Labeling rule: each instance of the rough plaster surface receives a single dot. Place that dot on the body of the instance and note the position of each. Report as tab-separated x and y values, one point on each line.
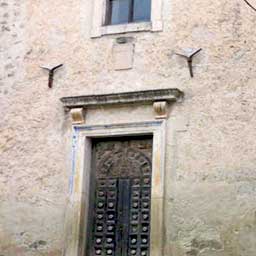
210	207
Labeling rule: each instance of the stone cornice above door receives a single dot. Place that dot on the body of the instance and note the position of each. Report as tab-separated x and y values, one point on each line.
159	98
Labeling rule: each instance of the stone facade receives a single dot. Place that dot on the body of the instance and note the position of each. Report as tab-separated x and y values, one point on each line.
210	177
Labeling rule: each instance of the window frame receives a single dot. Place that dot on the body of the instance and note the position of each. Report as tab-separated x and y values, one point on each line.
131	4
99	27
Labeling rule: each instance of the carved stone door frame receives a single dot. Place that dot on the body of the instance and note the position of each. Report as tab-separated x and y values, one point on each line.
76	217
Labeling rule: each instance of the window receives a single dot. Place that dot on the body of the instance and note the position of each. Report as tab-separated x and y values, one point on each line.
122	16
127	11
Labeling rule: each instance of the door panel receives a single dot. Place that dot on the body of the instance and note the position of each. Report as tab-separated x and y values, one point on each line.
120	209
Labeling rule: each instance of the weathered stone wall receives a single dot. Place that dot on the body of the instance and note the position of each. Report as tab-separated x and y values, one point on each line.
210	177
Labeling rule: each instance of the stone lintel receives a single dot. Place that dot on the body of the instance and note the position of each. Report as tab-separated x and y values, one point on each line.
144	97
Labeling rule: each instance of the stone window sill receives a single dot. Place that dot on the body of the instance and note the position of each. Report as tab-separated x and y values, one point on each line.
125	28
152	26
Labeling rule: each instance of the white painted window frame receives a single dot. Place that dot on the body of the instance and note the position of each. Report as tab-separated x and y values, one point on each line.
98	20
77	213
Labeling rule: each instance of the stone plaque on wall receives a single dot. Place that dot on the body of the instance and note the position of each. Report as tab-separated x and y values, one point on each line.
123	56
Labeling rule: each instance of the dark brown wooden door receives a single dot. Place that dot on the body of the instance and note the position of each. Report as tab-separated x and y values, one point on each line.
119	222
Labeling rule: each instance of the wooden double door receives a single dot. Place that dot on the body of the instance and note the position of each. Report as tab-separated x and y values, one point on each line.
119	222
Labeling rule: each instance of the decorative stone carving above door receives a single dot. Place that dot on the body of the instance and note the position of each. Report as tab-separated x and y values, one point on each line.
158	98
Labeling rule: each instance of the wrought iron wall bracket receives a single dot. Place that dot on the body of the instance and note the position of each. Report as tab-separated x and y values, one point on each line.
189	59
51	73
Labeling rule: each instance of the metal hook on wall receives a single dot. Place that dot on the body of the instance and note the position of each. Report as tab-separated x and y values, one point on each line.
189	59
51	73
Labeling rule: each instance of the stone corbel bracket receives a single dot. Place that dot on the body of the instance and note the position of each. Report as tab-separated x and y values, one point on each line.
159	98
160	108
78	115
